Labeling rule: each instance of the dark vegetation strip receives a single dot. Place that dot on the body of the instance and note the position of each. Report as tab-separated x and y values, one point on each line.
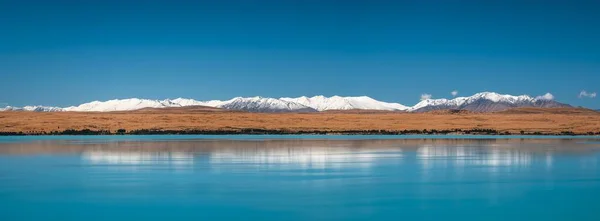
250	131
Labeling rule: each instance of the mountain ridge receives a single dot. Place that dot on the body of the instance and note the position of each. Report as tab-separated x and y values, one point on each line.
487	102
479	102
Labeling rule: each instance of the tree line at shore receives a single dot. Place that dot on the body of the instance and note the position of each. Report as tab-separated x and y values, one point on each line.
257	131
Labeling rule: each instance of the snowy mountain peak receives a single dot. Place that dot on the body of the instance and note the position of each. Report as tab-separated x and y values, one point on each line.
495	97
185	102
482	102
122	105
10	108
260	104
322	103
42	109
32	108
486	102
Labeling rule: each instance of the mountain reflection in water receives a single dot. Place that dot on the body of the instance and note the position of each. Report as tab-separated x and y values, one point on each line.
289	179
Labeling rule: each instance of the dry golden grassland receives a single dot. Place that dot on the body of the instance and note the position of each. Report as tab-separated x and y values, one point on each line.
551	120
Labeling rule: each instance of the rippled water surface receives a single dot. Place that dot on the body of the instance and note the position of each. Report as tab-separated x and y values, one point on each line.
299	178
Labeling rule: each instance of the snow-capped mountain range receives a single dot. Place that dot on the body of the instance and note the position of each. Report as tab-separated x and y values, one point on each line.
487	102
480	102
322	103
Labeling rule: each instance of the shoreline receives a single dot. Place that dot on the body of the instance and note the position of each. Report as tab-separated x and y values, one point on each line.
257	131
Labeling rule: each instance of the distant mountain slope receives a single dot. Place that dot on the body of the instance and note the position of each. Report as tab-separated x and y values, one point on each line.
261	104
486	102
558	110
122	105
251	104
186	109
322	103
32	108
480	102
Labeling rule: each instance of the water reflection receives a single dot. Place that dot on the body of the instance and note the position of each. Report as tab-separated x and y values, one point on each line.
312	154
137	158
304	157
311	179
478	155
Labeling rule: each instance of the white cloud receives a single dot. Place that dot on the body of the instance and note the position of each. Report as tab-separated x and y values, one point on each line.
454	93
547	96
425	96
584	93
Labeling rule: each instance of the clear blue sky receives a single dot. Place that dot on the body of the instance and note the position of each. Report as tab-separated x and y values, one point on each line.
68	52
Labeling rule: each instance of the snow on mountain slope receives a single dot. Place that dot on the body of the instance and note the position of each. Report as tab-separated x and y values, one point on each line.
185	102
122	105
480	102
322	103
42	109
486	102
216	103
261	104
136	104
253	104
11	108
32	108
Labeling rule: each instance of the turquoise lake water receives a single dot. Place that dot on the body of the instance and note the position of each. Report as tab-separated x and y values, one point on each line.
299	178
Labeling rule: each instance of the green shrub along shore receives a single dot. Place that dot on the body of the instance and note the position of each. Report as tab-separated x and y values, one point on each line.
256	131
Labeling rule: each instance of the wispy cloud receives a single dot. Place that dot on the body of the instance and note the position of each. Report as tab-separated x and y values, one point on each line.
584	93
454	93
547	96
425	96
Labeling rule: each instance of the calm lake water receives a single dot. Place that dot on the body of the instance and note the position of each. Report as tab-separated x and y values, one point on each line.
299	178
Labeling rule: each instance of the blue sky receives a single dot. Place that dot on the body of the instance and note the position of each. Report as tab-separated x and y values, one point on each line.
64	53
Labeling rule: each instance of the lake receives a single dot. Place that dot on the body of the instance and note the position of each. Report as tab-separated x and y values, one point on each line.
239	177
